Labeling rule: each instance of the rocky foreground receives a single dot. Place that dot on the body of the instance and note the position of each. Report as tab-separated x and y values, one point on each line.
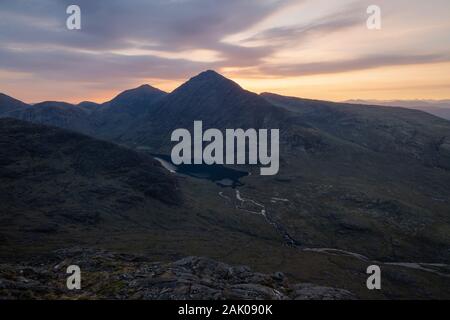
106	275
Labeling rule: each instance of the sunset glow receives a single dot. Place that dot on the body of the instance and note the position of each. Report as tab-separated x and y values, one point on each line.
312	49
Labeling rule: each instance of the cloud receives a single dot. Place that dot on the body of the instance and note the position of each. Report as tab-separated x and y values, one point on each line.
34	37
83	66
169	40
159	24
361	63
298	33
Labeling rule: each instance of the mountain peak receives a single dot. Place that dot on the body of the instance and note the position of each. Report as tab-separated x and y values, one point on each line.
209	80
134	101
146	87
217	101
210	75
142	94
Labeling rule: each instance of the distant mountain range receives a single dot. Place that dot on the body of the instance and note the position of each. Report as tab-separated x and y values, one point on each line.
369	182
440	108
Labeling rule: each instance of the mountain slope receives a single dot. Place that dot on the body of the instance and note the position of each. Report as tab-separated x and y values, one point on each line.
380	187
380	129
8	104
136	100
56	184
443	113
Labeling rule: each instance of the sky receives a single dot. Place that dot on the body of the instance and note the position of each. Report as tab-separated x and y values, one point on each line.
320	49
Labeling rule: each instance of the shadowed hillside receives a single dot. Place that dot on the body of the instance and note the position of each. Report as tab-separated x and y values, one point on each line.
55	183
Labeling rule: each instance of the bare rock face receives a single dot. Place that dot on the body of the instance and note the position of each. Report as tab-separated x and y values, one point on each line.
105	275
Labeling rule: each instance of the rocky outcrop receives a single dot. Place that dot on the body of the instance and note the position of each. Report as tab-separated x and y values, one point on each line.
105	275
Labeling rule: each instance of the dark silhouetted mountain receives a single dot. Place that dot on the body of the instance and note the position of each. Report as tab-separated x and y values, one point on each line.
136	100
210	97
88	105
58	114
54	104
116	116
8	104
109	119
217	101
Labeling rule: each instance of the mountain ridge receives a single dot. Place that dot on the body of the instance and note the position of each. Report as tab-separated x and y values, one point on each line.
439	108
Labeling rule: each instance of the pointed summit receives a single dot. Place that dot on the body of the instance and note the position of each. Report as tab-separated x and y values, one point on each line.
211	74
211	79
146	88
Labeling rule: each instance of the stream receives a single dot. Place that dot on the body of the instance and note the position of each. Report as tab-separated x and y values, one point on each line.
291	242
